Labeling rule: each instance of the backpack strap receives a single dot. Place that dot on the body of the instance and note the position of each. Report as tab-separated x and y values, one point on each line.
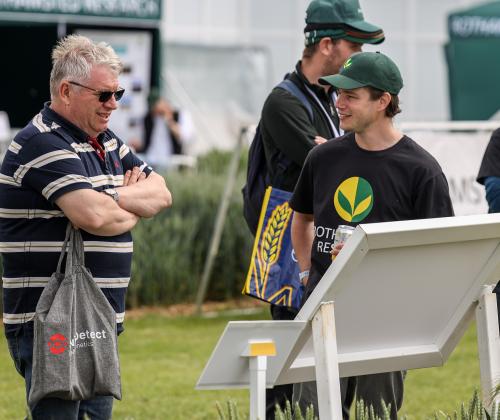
283	161
292	88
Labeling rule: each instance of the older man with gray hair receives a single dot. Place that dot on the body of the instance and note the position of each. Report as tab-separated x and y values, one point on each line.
67	165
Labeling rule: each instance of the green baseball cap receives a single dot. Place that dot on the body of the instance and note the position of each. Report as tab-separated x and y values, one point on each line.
344	19
367	69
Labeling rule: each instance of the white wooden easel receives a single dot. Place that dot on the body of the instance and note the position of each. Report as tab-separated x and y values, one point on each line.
488	344
327	370
443	265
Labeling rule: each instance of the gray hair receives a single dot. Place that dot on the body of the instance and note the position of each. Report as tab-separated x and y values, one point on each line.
74	56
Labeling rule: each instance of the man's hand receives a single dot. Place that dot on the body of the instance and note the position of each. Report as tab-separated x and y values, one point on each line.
133	176
336	249
144	195
320	140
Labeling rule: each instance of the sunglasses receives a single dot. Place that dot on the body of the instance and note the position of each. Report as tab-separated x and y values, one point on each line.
103	96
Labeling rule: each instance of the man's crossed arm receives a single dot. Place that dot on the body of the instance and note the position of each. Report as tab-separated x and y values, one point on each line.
99	214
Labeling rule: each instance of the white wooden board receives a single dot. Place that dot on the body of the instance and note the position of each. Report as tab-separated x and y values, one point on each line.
404	293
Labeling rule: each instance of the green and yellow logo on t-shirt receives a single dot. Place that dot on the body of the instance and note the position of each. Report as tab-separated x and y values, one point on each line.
353	199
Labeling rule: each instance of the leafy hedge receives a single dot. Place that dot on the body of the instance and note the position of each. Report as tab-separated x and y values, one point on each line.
170	249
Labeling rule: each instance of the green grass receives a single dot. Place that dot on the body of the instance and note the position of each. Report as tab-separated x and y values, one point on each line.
162	359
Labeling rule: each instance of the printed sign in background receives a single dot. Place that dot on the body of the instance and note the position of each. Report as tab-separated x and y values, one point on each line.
460	155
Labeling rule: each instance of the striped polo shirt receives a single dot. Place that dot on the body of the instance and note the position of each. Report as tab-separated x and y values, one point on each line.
47	159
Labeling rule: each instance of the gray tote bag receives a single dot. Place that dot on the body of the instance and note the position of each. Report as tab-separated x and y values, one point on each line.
75	355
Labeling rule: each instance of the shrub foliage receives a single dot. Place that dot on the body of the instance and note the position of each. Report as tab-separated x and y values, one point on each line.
170	249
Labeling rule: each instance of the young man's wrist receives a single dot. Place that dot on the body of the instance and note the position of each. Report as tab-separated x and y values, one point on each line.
303	276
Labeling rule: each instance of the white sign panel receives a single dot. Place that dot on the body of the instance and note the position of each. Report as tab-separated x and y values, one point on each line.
404	293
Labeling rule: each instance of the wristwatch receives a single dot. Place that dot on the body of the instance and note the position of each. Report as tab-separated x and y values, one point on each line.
112	193
303	275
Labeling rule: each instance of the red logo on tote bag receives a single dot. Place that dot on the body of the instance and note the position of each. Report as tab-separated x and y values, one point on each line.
58	344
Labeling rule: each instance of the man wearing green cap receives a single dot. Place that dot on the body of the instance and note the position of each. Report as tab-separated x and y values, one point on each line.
334	30
373	174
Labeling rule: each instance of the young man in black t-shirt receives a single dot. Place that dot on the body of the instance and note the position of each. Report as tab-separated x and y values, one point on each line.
373	174
335	29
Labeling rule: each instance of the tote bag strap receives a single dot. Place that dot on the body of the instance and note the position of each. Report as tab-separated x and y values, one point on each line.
72	248
69	228
76	249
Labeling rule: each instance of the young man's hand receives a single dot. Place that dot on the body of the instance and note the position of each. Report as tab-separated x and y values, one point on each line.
336	249
320	140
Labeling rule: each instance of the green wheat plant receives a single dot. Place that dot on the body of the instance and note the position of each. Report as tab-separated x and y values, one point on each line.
231	412
296	414
474	410
363	412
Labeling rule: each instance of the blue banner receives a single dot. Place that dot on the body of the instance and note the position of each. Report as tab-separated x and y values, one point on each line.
273	275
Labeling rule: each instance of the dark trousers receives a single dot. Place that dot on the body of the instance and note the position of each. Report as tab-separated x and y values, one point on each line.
280	393
372	389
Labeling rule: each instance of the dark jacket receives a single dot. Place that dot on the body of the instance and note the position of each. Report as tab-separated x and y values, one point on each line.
148	129
287	128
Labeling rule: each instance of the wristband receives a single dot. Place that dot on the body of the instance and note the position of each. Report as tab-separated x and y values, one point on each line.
303	275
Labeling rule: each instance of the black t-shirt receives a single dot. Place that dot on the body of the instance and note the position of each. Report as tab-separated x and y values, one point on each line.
490	166
342	184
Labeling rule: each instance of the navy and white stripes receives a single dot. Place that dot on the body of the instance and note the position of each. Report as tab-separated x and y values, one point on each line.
47	159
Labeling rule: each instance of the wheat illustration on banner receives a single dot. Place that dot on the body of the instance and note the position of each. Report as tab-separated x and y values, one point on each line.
273	274
270	246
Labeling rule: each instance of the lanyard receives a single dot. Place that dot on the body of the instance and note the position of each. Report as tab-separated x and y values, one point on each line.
336	131
334	101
